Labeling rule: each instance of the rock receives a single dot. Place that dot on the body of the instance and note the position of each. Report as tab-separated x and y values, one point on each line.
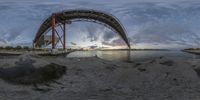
137	64
141	69
168	63
105	90
161	57
29	75
111	68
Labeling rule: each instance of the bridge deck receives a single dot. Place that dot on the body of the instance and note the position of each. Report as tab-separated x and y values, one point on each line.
80	15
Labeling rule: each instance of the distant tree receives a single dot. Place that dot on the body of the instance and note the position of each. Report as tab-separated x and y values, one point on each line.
26	48
8	47
18	47
1	47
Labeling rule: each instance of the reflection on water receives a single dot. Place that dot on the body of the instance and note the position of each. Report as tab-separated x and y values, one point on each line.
132	55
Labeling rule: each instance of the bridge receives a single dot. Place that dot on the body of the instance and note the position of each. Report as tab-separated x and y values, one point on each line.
60	19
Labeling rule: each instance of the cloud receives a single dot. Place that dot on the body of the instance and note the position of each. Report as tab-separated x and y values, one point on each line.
92	32
155	22
93	47
108	35
114	42
166	33
95	32
163	23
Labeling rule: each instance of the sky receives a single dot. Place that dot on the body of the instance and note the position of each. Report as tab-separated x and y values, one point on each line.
167	24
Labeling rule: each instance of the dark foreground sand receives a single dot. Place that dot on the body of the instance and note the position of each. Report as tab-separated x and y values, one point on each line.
97	79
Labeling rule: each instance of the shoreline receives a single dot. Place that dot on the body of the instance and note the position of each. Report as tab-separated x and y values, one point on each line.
60	53
197	52
40	53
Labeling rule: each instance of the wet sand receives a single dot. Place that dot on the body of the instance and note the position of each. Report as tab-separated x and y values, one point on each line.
97	79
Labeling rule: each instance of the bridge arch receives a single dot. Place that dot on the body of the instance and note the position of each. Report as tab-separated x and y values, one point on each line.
69	16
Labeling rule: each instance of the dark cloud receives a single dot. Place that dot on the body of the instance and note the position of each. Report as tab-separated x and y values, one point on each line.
92	32
97	32
108	35
93	47
2	41
116	42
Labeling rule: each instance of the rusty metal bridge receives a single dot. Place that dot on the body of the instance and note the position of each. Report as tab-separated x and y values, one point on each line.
60	19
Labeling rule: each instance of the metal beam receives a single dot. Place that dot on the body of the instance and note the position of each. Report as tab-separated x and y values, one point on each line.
60	39
53	23
64	35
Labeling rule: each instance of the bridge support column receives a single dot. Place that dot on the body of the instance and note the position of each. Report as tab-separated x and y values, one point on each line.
64	35
53	22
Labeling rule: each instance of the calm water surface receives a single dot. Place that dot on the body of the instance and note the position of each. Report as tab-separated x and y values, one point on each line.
133	55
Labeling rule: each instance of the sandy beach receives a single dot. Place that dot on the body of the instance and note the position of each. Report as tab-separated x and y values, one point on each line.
97	79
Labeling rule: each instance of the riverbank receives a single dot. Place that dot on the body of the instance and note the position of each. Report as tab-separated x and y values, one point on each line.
40	53
97	79
197	52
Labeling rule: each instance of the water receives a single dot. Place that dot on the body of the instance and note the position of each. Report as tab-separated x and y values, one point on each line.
133	55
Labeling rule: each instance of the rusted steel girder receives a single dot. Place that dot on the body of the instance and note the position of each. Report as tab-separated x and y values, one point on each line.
82	15
53	23
64	35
